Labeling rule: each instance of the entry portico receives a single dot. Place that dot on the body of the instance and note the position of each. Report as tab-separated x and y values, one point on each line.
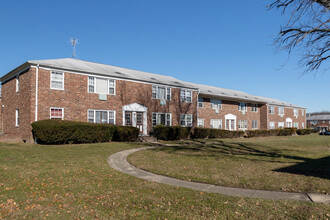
135	115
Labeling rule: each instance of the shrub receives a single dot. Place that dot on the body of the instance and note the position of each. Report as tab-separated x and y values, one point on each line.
71	132
262	133
201	133
304	131
123	133
287	131
162	132
220	133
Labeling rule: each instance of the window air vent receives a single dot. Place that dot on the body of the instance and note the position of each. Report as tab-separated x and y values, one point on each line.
152	78
223	93
209	90
120	73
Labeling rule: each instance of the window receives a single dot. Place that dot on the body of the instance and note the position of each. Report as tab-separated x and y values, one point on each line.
271	125
216	104
17	83
200	122
242	106
161	119
288	124
295	112
57	80
17	117
101	116
101	85
200	102
185	95
56	113
296	125
303	125
302	112
216	123
281	111
186	120
281	125
161	92
254	124
271	109
254	107
242	124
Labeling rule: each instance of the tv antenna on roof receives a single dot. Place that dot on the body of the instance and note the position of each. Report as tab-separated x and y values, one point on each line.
74	42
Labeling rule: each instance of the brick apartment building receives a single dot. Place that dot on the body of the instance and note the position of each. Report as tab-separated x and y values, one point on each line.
78	90
320	122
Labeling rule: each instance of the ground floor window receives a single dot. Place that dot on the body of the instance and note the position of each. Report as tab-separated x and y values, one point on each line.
161	119
302	125
254	124
56	113
281	125
216	123
242	124
296	125
101	116
271	125
186	120
200	122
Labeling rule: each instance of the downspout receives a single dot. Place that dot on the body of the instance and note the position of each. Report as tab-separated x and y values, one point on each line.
197	107
36	104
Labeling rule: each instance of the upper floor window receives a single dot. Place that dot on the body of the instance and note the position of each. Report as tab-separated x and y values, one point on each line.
216	104
17	83
56	80
56	113
216	123
101	85
17	117
242	106
200	102
242	124
271	109
101	116
295	112
281	110
161	119
302	112
161	92
254	107
185	95
186	120
302	125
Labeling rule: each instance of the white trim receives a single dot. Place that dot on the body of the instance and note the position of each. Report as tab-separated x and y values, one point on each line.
102	110
254	105
51	80
203	122
36	104
50	112
17	83
230	117
17	117
135	107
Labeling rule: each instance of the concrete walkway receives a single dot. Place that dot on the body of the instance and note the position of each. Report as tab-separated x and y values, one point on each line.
118	162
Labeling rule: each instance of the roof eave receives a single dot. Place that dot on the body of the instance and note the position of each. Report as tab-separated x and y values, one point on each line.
15	71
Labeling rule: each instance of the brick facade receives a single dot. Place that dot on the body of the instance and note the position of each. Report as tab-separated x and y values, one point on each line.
288	114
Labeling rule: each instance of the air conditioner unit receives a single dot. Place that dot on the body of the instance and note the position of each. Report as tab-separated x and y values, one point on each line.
217	111
243	112
162	102
103	97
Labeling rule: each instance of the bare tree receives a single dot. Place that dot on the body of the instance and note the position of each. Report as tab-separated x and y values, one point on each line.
307	29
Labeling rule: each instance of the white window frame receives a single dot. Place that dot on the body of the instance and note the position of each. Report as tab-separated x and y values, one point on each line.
212	123
17	117
302	125
271	109
200	102
185	120
302	112
254	122
200	122
295	112
94	115
62	81
254	107
17	83
281	125
108	84
242	106
272	125
244	125
155	121
89	84
216	104
184	96
50	112
296	125
155	92
280	112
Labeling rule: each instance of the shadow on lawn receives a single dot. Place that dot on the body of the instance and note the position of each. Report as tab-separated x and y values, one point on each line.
302	165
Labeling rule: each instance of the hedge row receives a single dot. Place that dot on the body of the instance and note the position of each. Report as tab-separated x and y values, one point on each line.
215	133
73	132
272	132
305	131
171	132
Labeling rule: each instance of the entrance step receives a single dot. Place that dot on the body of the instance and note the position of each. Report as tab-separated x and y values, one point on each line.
147	139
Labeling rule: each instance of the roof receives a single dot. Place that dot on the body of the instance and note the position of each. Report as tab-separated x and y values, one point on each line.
119	72
318	118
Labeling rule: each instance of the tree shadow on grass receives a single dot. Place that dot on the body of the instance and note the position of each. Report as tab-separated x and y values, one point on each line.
302	165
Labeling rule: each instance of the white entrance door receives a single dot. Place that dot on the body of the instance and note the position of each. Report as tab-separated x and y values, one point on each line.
230	122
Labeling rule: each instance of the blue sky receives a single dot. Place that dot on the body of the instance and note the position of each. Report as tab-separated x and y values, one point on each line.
220	43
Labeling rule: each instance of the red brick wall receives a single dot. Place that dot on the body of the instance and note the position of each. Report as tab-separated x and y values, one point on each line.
320	123
21	100
228	107
288	113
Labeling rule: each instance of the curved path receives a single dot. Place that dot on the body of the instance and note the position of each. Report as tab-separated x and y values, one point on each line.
118	162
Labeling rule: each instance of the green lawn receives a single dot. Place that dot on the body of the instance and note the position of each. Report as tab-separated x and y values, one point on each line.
75	182
297	164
